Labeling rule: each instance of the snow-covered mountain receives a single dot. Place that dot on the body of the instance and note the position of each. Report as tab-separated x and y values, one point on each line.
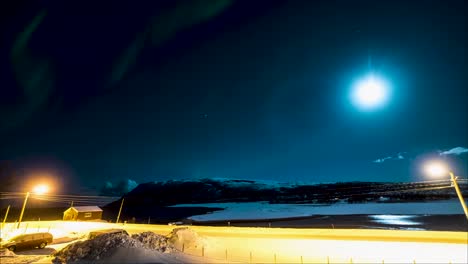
237	190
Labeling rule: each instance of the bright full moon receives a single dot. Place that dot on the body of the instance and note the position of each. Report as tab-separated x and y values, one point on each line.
370	93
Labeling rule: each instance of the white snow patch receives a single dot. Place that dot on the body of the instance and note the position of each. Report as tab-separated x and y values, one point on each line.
395	219
264	210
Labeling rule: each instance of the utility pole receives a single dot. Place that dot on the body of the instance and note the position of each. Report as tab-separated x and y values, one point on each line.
460	197
22	209
120	210
6	215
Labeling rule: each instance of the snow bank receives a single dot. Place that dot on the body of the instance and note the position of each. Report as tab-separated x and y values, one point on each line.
186	238
4	252
108	245
146	247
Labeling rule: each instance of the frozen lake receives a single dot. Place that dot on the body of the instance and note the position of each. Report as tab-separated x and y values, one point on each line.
264	210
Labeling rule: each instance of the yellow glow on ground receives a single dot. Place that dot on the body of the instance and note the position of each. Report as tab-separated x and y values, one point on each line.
336	245
289	245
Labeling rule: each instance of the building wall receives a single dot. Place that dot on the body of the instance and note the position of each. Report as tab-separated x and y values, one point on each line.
72	215
84	216
69	215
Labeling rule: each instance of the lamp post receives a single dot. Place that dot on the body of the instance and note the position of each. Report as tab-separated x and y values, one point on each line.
39	189
120	210
22	209
460	197
5	217
440	169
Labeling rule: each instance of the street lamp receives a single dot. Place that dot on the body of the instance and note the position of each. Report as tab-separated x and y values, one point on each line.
38	189
437	168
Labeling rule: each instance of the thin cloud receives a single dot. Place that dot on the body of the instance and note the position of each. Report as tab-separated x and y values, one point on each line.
403	155
381	160
454	151
398	156
121	188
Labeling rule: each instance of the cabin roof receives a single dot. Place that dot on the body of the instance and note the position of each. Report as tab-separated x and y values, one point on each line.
86	208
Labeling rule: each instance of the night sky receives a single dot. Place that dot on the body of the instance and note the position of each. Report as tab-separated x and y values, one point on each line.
158	90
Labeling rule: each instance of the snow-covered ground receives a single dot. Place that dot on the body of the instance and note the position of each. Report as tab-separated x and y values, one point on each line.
264	210
68	232
266	245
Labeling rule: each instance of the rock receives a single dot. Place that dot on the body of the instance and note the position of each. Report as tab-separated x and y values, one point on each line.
79	253
154	241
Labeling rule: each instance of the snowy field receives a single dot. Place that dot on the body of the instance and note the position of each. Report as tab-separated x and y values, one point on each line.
210	244
264	210
263	245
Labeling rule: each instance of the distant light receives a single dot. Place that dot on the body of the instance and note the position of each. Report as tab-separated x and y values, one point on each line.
41	189
370	92
436	168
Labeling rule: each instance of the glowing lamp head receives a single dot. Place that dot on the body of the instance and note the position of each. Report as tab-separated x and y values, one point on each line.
436	169
41	189
370	92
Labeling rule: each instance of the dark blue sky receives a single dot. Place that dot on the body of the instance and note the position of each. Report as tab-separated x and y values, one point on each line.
169	90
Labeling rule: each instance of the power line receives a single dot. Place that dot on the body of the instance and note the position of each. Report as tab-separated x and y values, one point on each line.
74	201
371	189
62	195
